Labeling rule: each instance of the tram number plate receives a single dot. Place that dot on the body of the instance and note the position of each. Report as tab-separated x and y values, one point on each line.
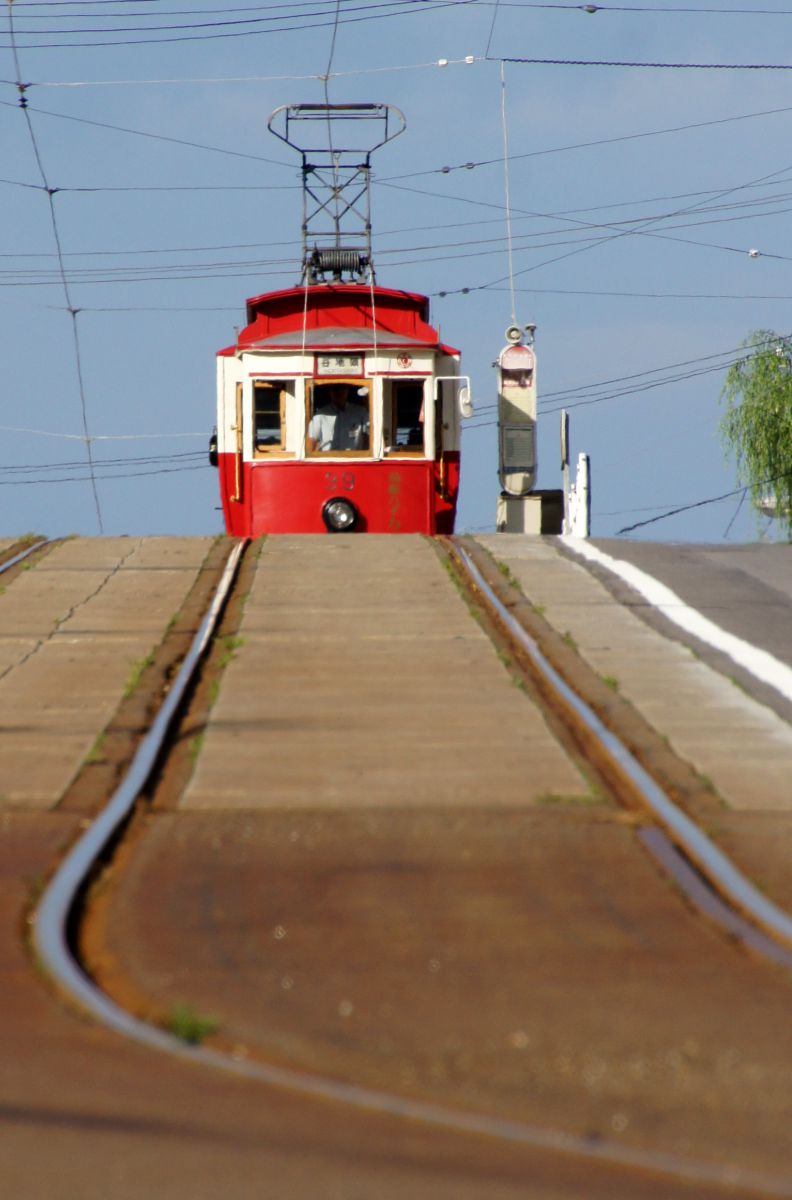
343	481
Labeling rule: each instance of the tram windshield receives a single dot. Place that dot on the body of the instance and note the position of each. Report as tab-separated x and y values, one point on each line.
339	418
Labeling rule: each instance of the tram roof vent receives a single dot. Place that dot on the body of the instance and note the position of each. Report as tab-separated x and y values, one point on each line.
336	142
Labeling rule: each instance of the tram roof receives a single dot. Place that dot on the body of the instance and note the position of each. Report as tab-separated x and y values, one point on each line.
340	338
332	316
338	293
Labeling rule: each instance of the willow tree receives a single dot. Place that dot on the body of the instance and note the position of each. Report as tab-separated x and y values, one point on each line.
757	423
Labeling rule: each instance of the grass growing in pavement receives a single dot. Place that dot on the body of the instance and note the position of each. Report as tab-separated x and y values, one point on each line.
231	644
187	1025
508	574
136	673
96	753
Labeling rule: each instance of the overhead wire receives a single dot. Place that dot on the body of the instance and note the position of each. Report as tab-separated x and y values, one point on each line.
595	242
73	311
104	478
637	383
445	169
425	6
659	66
351	72
658	9
157	15
502	61
144	133
495	8
100	437
507	214
683	508
399	231
145	460
626	137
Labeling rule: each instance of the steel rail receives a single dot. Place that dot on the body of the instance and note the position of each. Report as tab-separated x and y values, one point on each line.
51	943
23	554
712	863
51	921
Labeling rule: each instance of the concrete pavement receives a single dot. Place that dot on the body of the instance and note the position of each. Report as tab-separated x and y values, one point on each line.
741	747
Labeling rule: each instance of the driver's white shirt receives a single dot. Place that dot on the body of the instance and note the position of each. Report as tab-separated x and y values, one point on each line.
340	429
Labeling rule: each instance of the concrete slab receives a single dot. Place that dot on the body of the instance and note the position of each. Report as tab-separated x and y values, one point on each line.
75	630
528	963
743	748
364	681
87	1115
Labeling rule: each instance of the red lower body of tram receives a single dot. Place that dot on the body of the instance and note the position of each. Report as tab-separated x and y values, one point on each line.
398	496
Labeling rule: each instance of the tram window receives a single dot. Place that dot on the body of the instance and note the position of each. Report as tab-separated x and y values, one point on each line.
269	413
404	413
338	418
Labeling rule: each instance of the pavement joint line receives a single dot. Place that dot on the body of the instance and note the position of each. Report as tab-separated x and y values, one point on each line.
759	663
43	641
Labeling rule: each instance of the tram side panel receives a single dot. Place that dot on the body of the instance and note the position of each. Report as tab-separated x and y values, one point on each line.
230	457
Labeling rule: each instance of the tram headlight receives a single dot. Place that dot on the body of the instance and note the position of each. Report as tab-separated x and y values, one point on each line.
339	515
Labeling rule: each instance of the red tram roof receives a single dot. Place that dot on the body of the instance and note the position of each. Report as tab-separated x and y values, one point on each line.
336	316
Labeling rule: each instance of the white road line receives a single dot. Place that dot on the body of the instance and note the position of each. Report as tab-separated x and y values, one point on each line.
763	666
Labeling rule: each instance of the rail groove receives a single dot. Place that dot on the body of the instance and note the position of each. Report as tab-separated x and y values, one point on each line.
15	559
50	933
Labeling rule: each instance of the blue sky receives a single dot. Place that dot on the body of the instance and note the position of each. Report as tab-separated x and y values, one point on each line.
631	245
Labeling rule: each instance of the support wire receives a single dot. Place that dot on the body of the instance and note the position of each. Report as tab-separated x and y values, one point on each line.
73	312
507	203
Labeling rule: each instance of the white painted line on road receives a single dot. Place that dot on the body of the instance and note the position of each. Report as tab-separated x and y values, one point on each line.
763	666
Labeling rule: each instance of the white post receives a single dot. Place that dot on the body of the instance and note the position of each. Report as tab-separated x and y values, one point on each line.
578	523
565	466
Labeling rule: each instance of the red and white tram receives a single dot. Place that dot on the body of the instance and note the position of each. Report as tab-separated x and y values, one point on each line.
338	407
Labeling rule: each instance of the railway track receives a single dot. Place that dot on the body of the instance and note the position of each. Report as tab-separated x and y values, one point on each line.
679	845
17	553
705	874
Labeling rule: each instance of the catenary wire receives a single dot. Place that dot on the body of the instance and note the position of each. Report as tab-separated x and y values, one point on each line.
73	311
266	20
104	478
600	241
202	37
144	133
400	231
696	504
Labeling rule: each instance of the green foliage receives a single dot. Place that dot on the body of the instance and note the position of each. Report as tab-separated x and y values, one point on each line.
183	1022
135	673
96	753
231	643
757	423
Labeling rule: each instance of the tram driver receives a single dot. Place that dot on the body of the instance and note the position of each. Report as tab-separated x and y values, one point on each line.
340	424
